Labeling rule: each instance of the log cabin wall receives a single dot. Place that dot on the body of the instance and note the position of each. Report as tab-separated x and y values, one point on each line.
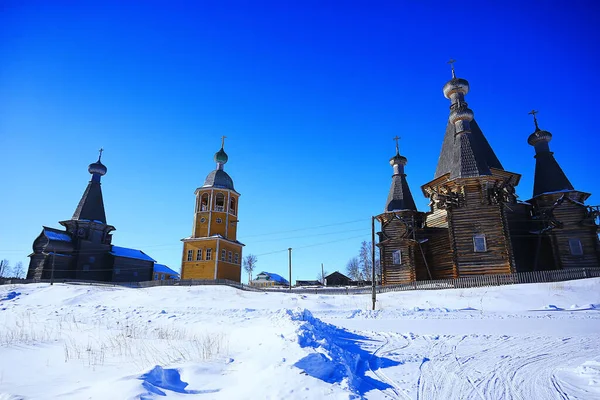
439	254
523	242
474	215
574	224
397	235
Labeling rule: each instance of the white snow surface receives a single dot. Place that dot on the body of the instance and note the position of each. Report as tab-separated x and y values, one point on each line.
536	341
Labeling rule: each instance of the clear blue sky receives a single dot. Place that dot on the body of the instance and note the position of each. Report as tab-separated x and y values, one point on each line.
309	95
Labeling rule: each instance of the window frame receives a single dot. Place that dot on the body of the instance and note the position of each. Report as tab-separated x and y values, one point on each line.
208	255
223	254
477	237
397	253
199	255
579	245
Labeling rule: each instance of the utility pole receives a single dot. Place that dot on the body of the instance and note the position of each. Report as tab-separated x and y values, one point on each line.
373	259
290	264
322	274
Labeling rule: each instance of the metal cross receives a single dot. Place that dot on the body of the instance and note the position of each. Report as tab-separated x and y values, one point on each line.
100	156
397	148
533	112
223	141
451	62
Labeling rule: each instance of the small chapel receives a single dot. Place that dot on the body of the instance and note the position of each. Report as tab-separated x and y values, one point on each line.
475	224
83	249
213	251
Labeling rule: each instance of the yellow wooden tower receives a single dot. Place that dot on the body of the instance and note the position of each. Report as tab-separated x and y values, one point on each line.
213	251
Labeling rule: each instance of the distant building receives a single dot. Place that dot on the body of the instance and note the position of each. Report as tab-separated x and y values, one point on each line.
308	283
476	225
337	279
162	273
84	249
269	279
213	251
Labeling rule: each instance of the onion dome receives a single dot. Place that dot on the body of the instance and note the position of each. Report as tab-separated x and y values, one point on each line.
539	136
461	113
221	157
398	160
455	85
97	168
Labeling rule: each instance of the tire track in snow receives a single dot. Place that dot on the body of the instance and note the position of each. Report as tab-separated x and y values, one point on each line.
390	345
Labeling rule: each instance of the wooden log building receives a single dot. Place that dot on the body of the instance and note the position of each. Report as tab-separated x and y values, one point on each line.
476	225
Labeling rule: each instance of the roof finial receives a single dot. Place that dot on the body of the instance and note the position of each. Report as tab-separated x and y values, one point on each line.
223	141
533	112
397	138
451	62
100	156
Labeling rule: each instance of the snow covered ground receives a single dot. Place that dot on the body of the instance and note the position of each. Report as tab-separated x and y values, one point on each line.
538	341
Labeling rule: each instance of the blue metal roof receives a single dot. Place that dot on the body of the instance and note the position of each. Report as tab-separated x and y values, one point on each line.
53	235
274	277
130	253
163	269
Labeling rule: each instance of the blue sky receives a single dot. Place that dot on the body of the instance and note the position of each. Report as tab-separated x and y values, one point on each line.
309	95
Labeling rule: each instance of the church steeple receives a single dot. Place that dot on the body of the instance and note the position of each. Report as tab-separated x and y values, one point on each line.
91	205
465	151
400	197
549	176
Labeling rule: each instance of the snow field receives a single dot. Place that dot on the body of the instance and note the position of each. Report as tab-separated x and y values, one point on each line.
516	342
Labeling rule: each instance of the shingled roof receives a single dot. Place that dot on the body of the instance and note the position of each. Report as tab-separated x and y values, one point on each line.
466	155
91	205
400	197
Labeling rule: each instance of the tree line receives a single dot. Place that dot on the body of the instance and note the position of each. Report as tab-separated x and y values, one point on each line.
12	271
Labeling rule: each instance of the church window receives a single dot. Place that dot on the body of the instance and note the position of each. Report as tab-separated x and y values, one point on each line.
203	220
219	220
155	277
237	258
162	277
199	255
135	273
232	206
229	256
220	202
397	257
86	267
190	255
575	247
223	255
117	271
208	254
479	243
204	202
91	259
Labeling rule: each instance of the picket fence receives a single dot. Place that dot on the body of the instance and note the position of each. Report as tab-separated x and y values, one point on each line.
458	283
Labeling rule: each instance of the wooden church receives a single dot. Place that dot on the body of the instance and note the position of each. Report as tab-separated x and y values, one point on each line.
83	249
475	224
213	251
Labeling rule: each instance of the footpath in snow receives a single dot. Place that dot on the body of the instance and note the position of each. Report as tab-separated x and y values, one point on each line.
536	341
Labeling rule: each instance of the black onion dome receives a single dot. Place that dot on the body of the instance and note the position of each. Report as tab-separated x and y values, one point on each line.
539	136
97	168
221	157
218	179
398	160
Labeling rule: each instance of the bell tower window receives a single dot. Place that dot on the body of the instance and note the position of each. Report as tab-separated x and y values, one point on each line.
190	255
232	206
220	202
208	254
204	202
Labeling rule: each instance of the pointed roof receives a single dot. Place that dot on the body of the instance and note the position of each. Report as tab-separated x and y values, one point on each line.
400	197
549	176
467	155
91	205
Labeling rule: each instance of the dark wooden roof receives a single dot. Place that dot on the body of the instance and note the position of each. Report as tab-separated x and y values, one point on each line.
91	205
467	155
549	176
400	197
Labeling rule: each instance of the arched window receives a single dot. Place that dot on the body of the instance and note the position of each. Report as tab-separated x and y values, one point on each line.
220	202
232	206
204	202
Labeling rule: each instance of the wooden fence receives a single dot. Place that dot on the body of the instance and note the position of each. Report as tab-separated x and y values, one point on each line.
459	283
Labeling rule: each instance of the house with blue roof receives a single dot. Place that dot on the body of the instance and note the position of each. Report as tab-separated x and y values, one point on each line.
84	249
162	273
269	279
